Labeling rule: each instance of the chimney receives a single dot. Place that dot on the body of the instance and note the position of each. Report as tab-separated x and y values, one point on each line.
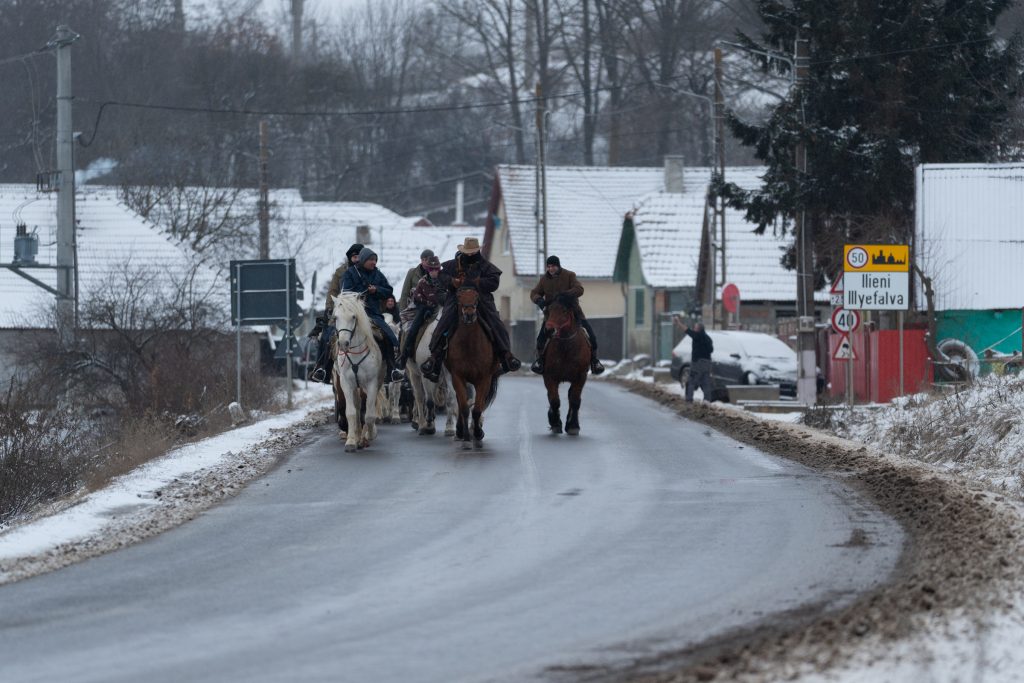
460	200
674	173
363	234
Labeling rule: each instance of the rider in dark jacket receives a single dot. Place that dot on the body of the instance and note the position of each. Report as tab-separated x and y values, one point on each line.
557	280
429	293
469	269
366	278
323	328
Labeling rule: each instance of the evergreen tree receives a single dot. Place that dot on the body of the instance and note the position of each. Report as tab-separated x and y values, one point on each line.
891	84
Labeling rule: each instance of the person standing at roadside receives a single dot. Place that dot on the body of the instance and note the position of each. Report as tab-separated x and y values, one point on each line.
700	359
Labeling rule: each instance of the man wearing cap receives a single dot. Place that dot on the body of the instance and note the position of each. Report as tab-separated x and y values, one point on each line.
429	293
469	268
557	280
364	278
323	328
415	274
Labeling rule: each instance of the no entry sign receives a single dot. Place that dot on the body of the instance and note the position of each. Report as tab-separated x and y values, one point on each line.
731	297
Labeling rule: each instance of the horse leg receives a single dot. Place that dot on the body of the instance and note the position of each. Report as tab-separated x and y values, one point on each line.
572	420
461	428
370	415
554	405
449	403
478	412
352	406
428	419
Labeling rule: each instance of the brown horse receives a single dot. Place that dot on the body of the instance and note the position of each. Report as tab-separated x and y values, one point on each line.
471	360
566	359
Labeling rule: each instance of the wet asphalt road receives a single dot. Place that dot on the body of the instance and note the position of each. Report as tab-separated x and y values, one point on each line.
417	562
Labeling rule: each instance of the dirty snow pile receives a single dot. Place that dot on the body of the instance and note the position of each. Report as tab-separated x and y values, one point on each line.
976	432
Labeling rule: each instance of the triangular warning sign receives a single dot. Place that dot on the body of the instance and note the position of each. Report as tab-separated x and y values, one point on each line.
837	284
844	350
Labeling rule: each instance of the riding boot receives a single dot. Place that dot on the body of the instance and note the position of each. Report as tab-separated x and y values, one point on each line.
431	367
596	368
510	363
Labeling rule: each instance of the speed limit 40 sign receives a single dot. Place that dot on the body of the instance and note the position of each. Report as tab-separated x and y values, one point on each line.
845	321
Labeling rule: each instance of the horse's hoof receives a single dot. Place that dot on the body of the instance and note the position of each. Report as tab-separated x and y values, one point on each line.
466	445
477	443
573	431
428	431
449	432
556	429
386	419
350	448
343	435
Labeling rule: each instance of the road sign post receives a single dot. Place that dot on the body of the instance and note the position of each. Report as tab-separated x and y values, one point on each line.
876	277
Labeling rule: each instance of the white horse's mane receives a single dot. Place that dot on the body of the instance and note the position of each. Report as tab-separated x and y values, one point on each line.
350	303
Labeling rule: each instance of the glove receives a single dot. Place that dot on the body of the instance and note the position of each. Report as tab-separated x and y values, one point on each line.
318	328
540	303
456	282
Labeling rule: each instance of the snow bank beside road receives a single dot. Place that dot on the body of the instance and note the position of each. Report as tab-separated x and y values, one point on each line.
159	495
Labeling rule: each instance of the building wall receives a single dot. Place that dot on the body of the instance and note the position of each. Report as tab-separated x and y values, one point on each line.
982	329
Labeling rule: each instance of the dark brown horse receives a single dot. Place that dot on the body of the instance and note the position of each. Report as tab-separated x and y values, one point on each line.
566	359
471	360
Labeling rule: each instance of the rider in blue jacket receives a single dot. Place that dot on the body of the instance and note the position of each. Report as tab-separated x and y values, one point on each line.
365	277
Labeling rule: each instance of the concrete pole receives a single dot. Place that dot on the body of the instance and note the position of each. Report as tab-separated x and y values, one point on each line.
264	195
720	154
66	186
806	388
460	202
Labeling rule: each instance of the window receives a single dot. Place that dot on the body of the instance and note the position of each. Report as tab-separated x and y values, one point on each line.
638	309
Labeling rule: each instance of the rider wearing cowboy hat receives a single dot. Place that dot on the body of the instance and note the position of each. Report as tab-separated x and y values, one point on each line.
469	268
557	280
324	362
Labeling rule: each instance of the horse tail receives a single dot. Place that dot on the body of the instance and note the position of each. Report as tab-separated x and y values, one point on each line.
493	392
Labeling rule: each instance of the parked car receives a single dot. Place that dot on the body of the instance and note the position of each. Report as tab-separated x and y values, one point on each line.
741	358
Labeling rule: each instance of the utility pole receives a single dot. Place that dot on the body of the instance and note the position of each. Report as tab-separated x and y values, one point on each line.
297	9
720	152
541	113
66	302
264	195
806	387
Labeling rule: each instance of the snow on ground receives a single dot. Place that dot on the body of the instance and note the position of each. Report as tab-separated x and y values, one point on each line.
976	434
187	479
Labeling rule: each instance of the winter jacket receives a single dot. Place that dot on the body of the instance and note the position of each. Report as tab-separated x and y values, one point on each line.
551	286
702	345
475	271
415	274
358	279
430	292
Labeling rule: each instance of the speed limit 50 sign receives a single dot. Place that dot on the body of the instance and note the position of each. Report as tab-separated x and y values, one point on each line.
845	321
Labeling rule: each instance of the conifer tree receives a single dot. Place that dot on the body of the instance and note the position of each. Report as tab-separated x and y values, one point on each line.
892	83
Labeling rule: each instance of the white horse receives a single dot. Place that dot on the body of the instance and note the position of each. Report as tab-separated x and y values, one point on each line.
424	391
358	369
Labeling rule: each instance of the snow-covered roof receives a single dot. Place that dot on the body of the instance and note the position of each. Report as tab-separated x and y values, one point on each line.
110	238
968	234
317	234
585	209
668	228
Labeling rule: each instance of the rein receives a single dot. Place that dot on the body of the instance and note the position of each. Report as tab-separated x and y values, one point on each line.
348	354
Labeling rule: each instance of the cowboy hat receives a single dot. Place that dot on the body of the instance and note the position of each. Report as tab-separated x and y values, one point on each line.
470	246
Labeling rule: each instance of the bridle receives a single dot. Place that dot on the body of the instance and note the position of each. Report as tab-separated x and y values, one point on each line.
559	329
355	357
468	310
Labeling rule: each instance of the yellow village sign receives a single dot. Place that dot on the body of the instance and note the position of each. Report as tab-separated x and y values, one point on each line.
876	258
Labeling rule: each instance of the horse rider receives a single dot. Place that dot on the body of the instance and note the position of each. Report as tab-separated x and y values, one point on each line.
412	278
323	328
557	280
365	278
429	293
469	268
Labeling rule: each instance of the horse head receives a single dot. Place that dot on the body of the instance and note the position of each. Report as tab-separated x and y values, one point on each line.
468	299
562	316
350	320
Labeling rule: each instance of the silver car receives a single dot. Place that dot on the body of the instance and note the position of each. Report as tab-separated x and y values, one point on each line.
741	358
